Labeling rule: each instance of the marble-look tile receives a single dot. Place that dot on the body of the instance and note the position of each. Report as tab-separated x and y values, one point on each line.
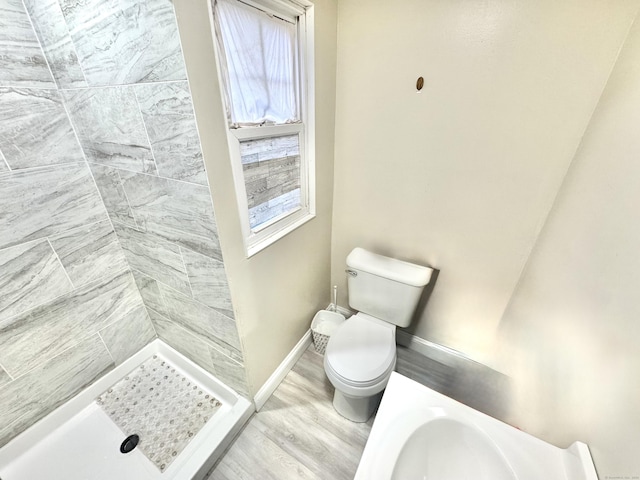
56	43
154	257
110	127
150	292
22	62
45	201
32	396
4	377
208	281
30	275
90	253
201	320
3	164
182	340
128	335
179	212
231	373
171	125
29	339
35	130
112	193
127	41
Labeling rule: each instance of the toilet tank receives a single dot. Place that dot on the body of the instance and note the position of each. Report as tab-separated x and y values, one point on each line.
384	287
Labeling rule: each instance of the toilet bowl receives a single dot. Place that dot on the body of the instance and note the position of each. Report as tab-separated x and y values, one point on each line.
359	359
361	353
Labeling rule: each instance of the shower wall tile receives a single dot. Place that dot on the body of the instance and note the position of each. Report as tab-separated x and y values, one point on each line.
208	281
171	126
56	43
90	253
29	398
46	201
150	292
127	41
22	62
229	371
180	214
3	164
35	130
201	320
112	193
46	331
110	127
182	340
154	256
4	377
128	335
30	275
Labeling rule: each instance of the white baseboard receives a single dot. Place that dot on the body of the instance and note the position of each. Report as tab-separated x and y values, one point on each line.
276	377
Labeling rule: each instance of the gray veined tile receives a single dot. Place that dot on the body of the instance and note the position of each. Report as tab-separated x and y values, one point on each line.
231	372
201	320
90	253
30	275
110	127
168	115
128	335
154	257
45	201
29	339
35	130
3	164
112	193
150	292
182	340
56	43
127	41
22	62
179	212
4	377
32	396
208	281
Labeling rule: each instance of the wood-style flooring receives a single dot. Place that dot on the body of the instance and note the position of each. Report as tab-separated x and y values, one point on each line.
298	434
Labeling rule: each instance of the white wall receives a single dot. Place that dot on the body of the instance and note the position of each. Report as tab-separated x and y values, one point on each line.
462	176
571	334
276	292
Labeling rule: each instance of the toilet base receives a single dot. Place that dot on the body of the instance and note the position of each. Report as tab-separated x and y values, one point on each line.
356	409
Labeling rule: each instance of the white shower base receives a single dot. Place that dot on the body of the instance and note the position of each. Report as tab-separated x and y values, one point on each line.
79	441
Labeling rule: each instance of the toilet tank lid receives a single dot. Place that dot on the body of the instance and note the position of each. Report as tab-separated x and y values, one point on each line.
391	268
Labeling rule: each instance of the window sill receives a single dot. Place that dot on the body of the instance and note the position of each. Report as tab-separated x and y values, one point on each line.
263	243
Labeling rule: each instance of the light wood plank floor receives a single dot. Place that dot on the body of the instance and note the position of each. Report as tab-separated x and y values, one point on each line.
298	434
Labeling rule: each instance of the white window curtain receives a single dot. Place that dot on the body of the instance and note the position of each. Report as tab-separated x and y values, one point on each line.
259	65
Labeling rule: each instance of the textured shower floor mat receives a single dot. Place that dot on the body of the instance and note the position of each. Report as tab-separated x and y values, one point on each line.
160	405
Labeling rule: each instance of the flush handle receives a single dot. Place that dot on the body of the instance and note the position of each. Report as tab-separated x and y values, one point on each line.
353	273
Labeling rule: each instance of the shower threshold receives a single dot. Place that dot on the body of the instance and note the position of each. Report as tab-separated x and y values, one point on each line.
82	440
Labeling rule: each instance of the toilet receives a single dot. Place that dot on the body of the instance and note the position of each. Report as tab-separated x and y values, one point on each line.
361	353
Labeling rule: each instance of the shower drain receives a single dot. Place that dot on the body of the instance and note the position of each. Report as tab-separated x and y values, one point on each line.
129	443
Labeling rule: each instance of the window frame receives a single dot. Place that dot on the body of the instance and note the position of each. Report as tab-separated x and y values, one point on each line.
257	239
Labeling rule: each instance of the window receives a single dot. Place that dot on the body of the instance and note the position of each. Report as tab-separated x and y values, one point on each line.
265	59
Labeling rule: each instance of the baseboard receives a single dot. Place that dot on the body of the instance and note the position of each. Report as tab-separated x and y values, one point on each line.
276	377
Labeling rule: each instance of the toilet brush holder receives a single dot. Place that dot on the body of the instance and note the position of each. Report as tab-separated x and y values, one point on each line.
323	325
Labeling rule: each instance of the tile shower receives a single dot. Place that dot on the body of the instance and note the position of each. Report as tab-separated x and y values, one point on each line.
107	231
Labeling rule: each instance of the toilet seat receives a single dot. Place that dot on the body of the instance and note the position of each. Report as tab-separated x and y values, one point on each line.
361	354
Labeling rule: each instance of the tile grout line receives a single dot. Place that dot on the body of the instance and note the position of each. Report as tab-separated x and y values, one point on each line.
186	272
126	197
106	348
73	45
4	160
42	167
9	374
73	287
35	34
144	126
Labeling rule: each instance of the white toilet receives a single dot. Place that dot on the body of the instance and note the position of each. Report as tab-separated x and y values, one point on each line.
361	353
